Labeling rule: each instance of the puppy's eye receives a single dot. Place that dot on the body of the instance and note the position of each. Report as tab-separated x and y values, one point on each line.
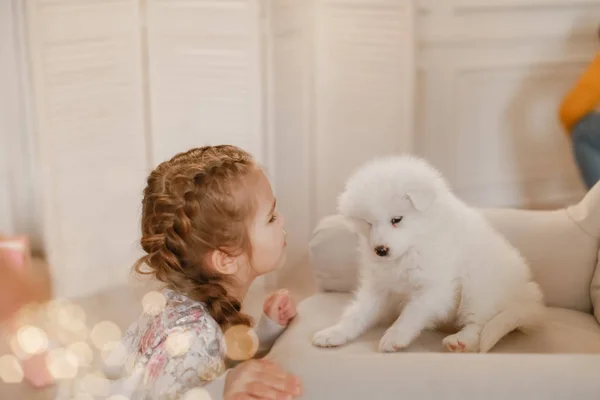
396	220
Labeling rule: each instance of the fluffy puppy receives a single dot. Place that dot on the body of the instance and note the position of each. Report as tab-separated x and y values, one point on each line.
429	260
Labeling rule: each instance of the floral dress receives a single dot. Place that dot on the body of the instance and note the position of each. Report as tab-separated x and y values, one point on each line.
162	357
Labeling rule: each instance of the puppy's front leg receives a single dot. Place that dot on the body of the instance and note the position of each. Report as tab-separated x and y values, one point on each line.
364	312
421	310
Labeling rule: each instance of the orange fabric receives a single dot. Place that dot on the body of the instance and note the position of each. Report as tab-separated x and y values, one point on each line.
583	97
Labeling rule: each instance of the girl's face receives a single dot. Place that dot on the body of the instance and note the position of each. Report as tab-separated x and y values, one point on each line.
267	236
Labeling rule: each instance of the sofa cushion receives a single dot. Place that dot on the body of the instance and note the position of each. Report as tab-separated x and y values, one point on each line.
586	215
333	255
564	331
561	255
595	290
357	371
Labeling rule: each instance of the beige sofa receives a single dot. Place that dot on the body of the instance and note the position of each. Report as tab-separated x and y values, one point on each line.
561	360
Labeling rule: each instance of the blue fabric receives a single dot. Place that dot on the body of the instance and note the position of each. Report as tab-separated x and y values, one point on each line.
586	147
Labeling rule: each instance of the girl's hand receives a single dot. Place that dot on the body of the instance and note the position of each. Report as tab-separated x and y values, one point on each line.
280	307
260	379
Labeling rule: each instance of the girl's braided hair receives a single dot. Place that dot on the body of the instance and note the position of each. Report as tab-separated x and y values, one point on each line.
193	204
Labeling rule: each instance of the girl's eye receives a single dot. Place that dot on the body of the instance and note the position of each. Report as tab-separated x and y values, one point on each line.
396	220
273	218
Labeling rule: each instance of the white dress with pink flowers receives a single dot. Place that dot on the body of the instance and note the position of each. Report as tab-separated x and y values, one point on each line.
182	348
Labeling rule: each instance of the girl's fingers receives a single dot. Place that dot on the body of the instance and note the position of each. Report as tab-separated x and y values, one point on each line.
268	367
290	310
284	316
268	304
286	384
243	396
263	379
284	303
276	377
261	390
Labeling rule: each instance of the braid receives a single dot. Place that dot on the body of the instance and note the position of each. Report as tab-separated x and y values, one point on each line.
190	209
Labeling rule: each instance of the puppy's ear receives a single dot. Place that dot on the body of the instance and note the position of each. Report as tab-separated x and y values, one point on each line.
420	197
357	225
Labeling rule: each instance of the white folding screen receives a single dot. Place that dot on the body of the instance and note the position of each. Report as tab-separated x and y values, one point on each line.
364	88
289	70
120	86
311	87
19	212
7	120
86	64
205	75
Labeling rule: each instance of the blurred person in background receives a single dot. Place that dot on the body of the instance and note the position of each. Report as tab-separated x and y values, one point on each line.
580	116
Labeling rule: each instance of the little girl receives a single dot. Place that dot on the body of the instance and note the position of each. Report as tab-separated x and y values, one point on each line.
209	228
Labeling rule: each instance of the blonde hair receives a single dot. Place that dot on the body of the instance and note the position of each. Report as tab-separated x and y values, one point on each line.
196	203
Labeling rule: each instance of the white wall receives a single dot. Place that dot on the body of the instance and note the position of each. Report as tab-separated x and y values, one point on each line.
312	87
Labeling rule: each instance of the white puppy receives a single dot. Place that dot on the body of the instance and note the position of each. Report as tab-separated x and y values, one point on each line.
432	260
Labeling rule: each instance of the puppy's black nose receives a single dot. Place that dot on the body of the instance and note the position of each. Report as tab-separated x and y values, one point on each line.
382	251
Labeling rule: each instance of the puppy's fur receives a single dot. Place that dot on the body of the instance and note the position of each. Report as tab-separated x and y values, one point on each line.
429	260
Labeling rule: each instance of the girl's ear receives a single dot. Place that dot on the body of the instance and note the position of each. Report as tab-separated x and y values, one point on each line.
223	263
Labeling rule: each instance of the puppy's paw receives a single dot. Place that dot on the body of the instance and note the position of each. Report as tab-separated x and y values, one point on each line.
333	336
462	342
393	340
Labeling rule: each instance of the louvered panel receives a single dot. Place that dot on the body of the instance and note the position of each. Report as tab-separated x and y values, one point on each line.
365	75
8	117
290	111
6	218
205	75
87	82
